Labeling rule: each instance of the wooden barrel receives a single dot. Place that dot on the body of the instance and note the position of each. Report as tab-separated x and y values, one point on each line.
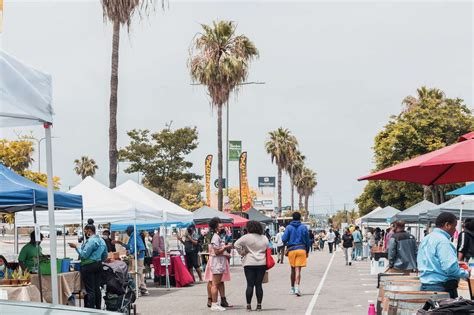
398	287
409	302
386	280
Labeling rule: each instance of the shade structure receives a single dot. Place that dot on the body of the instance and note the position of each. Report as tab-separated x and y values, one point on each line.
359	220
451	164
238	220
256	215
380	216
18	193
165	211
454	206
466	190
100	203
25	94
412	214
204	214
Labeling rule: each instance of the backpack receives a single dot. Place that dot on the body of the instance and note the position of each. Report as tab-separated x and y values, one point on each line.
447	306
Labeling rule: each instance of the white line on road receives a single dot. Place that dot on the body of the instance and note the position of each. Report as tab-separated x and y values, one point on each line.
311	305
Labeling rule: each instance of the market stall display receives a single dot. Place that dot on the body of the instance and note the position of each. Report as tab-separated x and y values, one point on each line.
26	293
177	269
68	284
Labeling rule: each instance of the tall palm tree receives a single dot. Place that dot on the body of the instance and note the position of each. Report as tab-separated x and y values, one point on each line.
306	184
294	169
423	94
119	13
85	167
279	146
219	59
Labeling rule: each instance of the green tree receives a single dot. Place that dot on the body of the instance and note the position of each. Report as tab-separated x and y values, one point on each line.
191	202
220	60
280	145
234	198
430	122
161	157
119	13
184	189
85	167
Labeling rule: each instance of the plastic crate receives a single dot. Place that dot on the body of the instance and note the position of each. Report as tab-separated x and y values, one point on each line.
45	266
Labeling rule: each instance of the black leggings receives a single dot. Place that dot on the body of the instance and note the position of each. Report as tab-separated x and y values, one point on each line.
254	275
90	275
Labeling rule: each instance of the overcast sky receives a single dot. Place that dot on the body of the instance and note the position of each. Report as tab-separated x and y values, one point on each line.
334	74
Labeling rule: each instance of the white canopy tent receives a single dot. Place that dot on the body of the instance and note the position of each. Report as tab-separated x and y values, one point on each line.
99	203
169	212
26	99
360	220
382	216
462	206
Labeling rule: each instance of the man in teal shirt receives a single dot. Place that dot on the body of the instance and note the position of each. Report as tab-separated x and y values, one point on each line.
437	260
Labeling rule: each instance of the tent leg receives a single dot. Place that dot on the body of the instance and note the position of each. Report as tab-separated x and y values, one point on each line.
52	225
38	236
136	256
167	260
15	238
64	240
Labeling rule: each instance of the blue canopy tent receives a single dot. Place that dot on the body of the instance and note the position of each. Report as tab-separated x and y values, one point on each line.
20	194
466	190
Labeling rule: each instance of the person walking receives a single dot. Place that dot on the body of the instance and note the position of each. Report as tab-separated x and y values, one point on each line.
217	268
296	239
402	250
252	247
437	260
191	248
357	235
370	238
388	236
322	239
331	238
141	251
280	245
465	246
347	245
91	253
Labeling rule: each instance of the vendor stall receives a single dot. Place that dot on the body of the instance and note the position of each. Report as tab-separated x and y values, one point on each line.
177	269
380	216
25	293
255	215
203	216
69	283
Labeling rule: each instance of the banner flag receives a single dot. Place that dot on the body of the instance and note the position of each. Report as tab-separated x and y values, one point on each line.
245	198
208	165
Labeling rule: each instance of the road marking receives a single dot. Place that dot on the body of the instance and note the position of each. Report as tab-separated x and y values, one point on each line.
371	291
365	274
311	305
368	284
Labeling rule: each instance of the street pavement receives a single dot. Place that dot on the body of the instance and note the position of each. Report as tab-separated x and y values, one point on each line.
345	290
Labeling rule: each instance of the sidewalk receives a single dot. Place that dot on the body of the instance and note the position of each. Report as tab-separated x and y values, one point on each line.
346	290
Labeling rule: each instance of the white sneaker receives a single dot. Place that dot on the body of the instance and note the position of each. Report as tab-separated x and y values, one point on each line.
297	292
217	308
292	290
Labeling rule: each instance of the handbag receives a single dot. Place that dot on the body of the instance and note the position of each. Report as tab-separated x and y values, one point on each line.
265	277
270	260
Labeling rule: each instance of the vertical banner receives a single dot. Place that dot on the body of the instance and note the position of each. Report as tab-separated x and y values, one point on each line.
245	198
208	165
235	149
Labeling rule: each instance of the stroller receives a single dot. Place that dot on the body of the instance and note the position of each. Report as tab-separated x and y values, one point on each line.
119	288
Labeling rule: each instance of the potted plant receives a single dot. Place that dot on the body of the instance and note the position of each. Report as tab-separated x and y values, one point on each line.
25	278
6	279
15	277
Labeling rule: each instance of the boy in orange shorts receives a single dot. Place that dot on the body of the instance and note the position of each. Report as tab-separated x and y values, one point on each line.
296	238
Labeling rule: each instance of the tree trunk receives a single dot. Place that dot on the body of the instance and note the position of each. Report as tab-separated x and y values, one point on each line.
300	201
113	153
426	192
279	190
292	193
306	207
220	196
435	194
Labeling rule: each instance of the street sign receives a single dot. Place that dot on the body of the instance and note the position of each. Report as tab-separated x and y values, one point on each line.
216	183
235	149
267	181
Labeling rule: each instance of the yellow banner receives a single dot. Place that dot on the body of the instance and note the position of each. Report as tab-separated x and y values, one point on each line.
245	198
1	15
208	165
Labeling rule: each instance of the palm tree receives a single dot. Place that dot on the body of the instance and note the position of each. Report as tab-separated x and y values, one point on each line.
279	146
423	94
306	184
219	59
85	167
119	13
294	169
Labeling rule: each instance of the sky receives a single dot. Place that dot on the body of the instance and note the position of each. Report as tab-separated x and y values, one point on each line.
334	73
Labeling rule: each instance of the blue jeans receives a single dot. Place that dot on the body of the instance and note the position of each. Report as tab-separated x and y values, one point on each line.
357	250
439	287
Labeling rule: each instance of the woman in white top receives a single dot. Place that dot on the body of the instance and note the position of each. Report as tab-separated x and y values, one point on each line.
253	247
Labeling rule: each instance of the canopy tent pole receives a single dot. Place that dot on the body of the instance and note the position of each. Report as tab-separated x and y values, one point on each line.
167	260
64	240
136	255
52	226
15	238
38	237
459	227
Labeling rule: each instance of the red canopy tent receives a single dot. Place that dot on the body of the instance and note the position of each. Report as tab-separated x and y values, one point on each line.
451	164
238	221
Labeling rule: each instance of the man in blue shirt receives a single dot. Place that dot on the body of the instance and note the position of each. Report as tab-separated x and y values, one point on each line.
141	249
437	261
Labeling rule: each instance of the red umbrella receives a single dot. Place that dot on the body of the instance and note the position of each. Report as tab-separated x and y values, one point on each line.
452	164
